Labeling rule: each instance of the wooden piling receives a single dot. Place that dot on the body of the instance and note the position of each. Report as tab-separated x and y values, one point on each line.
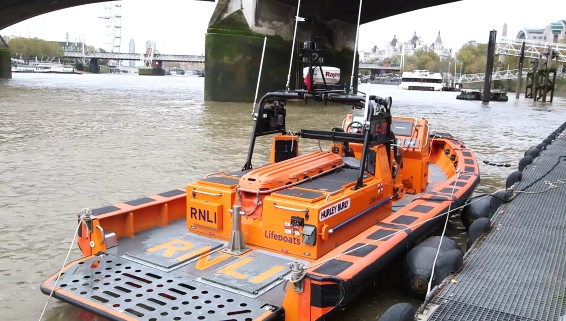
489	66
520	73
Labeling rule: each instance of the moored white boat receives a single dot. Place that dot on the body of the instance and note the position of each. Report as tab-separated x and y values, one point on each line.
421	80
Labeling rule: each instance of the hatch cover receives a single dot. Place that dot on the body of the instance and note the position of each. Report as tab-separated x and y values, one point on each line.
251	275
172	251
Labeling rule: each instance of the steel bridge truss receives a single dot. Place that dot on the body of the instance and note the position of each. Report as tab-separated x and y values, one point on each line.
134	56
497	75
533	49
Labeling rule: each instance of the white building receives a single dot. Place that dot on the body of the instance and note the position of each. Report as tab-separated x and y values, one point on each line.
554	32
395	47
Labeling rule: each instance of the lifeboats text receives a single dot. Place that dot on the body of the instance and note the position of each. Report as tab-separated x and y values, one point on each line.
334	209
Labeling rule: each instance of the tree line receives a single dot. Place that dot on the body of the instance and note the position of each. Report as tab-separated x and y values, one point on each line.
470	59
22	47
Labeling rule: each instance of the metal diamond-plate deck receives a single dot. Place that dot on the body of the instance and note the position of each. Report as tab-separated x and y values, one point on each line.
144	293
518	272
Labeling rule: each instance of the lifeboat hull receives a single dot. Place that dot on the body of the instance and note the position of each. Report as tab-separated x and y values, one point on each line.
145	265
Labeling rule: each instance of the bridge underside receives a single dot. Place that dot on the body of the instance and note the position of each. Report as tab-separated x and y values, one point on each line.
347	10
14	11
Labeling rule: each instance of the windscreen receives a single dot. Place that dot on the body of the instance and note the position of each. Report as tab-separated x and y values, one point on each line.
402	128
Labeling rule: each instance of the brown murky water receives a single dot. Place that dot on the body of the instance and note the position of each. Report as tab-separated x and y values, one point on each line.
70	141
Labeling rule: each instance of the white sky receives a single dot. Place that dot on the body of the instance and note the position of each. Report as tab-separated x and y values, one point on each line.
179	26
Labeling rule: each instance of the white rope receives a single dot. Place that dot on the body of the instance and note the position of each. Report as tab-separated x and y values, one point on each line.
63	267
442	236
550	184
293	47
293	134
356	49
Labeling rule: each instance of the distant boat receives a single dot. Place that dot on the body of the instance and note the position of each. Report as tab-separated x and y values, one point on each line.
44	69
421	80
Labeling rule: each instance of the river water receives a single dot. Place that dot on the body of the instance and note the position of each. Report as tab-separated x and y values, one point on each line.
74	141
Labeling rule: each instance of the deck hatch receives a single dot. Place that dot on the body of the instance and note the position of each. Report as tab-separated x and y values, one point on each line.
222	180
300	193
104	210
168	297
380	234
405	219
170	251
333	267
140	201
251	275
421	209
172	193
361	249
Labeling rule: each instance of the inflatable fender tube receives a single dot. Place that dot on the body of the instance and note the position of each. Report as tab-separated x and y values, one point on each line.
473	211
399	312
547	141
513	178
497	199
541	146
477	229
534	152
416	268
524	162
447	263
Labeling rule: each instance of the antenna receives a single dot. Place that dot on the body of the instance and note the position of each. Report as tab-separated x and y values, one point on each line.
259	75
297	18
356	49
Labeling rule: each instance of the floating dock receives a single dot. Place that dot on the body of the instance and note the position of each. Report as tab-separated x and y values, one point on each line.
516	272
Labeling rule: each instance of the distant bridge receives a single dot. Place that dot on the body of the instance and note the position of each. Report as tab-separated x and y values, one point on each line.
133	56
180	58
378	66
497	75
533	49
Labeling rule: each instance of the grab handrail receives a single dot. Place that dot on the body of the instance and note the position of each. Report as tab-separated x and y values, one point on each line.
215	173
205	193
306	210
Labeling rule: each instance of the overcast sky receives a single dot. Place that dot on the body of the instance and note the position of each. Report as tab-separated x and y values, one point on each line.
179	26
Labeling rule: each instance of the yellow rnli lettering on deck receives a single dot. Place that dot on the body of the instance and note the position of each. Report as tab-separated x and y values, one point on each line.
172	246
230	270
208	214
205	262
332	210
180	250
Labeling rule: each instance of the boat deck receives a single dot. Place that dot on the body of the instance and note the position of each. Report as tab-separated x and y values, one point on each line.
518	271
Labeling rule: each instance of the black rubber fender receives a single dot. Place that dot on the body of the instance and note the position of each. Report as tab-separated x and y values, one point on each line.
399	312
513	178
474	210
497	199
534	152
525	161
477	229
417	265
446	264
547	141
541	146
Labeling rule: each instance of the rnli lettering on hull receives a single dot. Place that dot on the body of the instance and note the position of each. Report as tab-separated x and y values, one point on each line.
334	209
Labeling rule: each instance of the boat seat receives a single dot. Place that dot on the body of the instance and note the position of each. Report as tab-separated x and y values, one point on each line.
351	162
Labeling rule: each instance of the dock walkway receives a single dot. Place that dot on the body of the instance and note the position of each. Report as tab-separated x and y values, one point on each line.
518	271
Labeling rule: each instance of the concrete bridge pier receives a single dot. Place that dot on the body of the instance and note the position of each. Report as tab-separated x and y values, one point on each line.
94	66
5	62
234	43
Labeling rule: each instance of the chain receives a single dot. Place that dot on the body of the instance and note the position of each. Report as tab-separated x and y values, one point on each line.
257	202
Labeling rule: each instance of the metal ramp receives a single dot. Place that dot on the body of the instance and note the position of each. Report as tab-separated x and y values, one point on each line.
517	272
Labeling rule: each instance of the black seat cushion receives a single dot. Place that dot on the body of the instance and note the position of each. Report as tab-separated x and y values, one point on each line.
351	162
